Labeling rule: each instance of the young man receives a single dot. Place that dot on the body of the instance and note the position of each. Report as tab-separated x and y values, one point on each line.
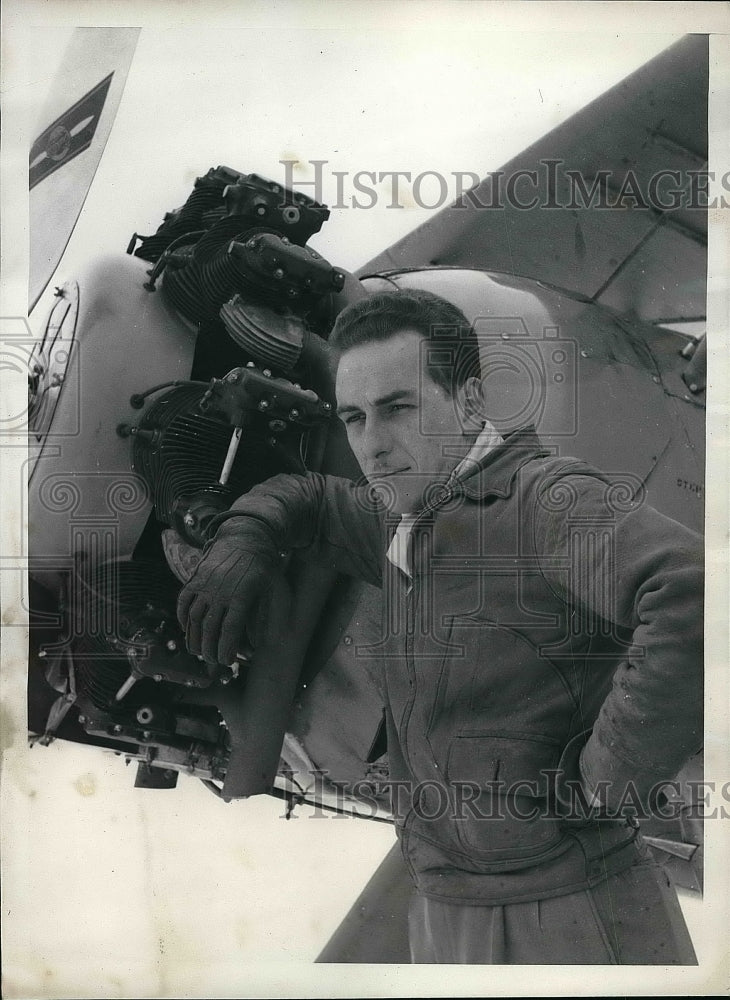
542	663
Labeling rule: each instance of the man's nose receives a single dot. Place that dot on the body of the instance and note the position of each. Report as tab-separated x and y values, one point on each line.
376	442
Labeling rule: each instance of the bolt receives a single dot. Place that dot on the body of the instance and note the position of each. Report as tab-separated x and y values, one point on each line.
279	273
266	372
263	404
584	354
505	336
190	683
117	728
294	414
82	719
146	734
327	406
157	677
42	653
171	645
261	210
693	387
347	640
655	378
189	520
226	679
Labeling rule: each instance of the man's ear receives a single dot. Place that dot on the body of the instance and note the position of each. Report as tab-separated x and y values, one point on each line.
471	403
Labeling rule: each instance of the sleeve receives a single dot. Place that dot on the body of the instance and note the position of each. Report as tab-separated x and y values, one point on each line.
614	557
326	518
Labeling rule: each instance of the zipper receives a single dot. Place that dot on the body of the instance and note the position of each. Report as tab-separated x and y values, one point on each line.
446	494
411	671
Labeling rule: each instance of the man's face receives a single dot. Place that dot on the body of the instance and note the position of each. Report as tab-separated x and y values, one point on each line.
404	429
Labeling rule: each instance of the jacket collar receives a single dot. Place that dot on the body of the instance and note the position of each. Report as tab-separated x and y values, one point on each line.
495	474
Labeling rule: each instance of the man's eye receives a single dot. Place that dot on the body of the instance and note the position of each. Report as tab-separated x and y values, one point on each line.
353	418
395	407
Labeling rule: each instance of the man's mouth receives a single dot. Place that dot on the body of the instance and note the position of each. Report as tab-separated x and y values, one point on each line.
386	473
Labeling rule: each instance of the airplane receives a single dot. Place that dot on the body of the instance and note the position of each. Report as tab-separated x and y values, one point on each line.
591	313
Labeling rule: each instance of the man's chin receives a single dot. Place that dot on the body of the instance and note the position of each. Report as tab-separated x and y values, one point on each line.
398	495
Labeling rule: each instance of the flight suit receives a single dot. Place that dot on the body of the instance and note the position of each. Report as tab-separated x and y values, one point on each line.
541	670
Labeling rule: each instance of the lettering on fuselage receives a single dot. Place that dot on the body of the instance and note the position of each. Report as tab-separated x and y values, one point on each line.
686	484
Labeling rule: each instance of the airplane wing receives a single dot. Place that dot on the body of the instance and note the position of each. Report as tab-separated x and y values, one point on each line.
641	148
77	120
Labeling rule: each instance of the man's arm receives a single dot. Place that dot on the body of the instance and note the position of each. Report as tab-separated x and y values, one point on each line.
328	518
631	565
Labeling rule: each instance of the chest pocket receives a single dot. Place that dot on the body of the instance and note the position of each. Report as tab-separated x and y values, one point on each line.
490	680
499	787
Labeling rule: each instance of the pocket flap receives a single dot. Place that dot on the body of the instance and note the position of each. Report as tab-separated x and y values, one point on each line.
516	762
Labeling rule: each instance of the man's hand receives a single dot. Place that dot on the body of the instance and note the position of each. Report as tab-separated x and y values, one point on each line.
227	598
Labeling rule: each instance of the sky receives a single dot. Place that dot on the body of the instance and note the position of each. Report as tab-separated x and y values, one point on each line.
112	891
382	100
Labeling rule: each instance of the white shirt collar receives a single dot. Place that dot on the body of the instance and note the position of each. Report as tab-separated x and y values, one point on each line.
399	549
487	440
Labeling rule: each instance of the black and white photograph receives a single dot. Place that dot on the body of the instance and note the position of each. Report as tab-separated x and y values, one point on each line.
364	455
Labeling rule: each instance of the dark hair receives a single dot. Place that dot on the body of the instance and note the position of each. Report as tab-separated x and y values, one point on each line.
453	352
